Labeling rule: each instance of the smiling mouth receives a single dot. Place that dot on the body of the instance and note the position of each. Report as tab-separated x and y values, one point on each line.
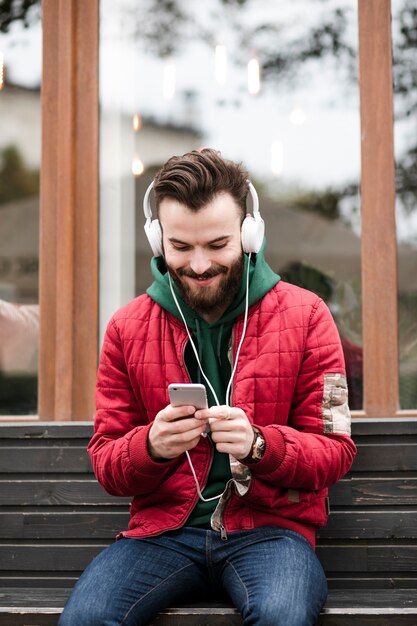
202	279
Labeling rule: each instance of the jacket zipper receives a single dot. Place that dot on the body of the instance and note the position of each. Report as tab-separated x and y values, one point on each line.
223	531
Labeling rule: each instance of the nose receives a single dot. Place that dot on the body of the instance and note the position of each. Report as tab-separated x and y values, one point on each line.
200	261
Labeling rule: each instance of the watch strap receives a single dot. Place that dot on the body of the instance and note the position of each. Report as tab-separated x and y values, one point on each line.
252	457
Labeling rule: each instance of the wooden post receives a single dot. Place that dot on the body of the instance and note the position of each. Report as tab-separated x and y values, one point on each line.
69	210
379	263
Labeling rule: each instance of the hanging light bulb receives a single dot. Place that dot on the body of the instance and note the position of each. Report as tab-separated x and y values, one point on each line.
168	89
277	157
254	76
220	60
1	70
137	166
136	122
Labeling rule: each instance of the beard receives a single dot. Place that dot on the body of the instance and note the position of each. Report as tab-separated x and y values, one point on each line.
208	299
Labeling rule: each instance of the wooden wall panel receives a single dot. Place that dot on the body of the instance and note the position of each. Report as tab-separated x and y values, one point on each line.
379	263
69	210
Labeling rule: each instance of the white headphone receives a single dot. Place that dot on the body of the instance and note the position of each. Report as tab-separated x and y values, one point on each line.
252	231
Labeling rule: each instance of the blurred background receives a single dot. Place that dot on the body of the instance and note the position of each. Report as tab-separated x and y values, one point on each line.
271	84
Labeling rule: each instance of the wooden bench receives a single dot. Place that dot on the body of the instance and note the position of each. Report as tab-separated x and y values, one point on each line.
55	517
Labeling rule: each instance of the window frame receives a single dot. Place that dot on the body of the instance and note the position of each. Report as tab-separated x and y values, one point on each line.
379	271
68	275
70	212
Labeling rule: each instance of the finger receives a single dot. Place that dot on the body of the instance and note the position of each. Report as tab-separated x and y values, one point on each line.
172	413
222	412
174	447
240	427
229	448
203	414
187	436
221	424
225	413
224	437
176	424
186	425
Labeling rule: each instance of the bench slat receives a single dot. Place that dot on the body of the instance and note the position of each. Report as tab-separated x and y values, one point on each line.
393	491
380	457
56	492
86	491
368	524
372	558
74	459
362	427
63	525
44	459
335	557
106	524
357	605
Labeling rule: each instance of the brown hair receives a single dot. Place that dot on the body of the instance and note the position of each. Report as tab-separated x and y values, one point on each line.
195	178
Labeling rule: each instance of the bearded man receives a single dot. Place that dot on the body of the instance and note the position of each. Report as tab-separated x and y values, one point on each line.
233	511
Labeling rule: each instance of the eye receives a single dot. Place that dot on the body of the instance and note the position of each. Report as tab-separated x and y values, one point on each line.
180	247
218	246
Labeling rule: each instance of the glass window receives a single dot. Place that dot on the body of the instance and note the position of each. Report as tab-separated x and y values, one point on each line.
20	155
404	30
271	84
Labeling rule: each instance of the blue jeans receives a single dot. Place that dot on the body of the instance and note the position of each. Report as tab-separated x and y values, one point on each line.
271	575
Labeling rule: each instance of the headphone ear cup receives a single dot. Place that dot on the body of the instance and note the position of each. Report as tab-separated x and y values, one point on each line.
154	234
252	234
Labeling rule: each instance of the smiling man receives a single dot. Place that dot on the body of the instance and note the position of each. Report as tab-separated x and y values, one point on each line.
234	511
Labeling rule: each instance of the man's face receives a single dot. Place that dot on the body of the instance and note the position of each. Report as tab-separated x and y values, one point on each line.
203	252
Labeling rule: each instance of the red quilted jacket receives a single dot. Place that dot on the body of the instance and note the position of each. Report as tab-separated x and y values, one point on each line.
290	381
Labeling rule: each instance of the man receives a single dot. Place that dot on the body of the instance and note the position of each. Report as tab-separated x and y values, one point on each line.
279	421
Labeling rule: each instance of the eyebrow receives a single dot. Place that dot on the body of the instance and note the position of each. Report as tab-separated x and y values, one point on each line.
184	243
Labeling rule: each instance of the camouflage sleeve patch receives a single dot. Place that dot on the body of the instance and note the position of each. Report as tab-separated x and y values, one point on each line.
241	474
335	408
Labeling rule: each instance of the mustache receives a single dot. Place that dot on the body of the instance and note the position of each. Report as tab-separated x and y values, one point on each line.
210	273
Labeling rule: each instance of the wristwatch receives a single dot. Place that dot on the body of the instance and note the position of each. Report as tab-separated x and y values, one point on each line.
258	448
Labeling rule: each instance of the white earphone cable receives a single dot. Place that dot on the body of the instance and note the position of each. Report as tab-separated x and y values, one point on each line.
200	495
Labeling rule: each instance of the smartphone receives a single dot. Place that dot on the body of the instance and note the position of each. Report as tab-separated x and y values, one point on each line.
193	394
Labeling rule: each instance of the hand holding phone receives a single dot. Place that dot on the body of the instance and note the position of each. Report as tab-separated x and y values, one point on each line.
172	432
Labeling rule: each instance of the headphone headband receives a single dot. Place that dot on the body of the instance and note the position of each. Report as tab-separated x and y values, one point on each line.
146	202
255	200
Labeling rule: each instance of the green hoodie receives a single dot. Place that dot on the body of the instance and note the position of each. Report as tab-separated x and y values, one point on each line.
212	342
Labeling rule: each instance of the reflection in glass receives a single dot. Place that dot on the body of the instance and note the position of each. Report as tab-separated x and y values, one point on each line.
20	151
404	32
271	84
